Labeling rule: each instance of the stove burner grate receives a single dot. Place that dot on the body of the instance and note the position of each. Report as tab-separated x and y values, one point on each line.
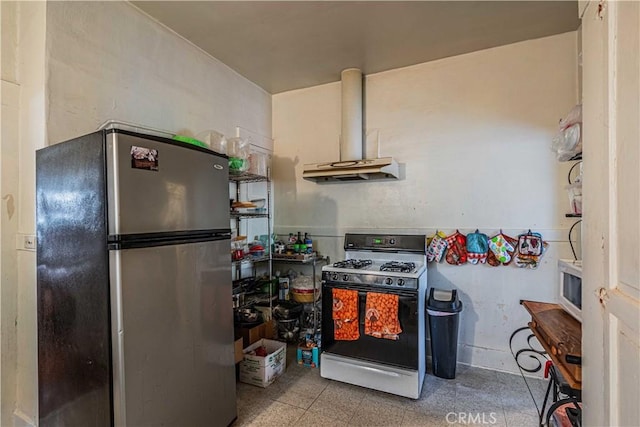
398	267
353	263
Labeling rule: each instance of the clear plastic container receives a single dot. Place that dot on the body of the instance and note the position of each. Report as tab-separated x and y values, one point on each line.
238	152
259	160
575	198
258	163
215	140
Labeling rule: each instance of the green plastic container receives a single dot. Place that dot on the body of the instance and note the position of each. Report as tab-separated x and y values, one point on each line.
237	165
189	140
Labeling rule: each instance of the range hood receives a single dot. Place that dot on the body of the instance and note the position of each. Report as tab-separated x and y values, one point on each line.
351	166
352	170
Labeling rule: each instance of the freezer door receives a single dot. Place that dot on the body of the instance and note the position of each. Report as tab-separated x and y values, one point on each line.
156	186
173	353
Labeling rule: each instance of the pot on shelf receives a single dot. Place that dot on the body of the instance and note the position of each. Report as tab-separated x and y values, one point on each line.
286	310
248	315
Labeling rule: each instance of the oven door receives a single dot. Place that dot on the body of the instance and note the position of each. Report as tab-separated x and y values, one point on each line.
401	353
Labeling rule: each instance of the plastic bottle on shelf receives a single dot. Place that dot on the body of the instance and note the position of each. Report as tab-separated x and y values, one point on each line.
300	247
309	243
290	245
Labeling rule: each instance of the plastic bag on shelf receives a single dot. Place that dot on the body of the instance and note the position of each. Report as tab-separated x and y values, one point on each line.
574	116
568	142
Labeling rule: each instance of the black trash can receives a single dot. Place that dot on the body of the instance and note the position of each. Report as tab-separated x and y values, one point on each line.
443	308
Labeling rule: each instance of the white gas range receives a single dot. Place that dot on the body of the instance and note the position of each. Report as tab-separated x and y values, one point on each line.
389	265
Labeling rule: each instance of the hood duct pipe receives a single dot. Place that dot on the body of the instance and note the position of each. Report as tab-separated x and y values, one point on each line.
351	166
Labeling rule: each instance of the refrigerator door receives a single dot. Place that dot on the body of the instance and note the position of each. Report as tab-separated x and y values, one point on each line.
156	186
172	334
74	352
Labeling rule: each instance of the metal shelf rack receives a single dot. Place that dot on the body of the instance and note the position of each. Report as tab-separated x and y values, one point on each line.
246	178
313	262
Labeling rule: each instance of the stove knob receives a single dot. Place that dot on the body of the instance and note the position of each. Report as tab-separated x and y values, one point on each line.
388	281
334	277
345	277
400	282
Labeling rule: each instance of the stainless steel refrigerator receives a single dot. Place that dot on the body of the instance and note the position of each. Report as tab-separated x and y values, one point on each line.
135	323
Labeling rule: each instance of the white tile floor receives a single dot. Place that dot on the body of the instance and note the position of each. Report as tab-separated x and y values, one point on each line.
301	397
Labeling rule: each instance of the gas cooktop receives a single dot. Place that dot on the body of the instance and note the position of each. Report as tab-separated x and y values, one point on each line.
400	267
369	265
353	263
375	273
397	261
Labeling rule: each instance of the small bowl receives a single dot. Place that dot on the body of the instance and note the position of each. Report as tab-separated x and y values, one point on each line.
257	251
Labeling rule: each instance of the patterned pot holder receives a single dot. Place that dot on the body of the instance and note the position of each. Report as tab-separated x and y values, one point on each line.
501	248
457	249
477	248
529	250
437	247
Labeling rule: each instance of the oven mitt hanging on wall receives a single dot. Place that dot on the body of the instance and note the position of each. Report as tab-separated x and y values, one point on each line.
529	250
502	248
457	249
437	247
491	259
345	315
381	318
477	247
514	243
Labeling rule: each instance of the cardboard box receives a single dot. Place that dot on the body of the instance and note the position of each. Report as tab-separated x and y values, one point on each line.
238	350
262	371
251	335
308	356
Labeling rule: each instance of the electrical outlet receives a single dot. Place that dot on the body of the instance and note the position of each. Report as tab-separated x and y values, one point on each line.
26	242
30	242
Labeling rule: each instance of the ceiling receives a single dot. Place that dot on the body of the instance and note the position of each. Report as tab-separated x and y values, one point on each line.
294	44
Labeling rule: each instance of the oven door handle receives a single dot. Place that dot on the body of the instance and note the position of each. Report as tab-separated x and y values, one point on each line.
394	291
369	368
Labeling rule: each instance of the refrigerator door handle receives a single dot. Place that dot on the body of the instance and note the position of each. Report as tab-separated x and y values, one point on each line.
132	241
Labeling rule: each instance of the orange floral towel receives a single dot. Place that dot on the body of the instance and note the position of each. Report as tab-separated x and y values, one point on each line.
345	315
381	318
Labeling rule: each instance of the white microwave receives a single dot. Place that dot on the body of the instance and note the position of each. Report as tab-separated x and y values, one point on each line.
570	286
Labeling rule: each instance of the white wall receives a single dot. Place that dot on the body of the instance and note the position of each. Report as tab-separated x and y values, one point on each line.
82	63
9	132
108	60
22	133
8	267
472	134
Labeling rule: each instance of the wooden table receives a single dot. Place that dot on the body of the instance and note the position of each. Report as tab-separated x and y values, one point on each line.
561	336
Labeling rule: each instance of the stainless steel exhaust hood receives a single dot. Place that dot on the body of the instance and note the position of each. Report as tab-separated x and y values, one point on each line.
352	170
351	166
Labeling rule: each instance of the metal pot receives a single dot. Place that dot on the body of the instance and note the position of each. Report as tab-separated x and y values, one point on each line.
248	315
287	310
